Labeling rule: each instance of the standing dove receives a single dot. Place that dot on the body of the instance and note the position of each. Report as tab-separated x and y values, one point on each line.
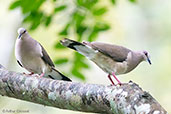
31	55
112	59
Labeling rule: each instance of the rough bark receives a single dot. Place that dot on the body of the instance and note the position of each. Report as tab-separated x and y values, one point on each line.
128	98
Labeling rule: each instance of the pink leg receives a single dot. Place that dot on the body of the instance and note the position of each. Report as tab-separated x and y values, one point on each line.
42	74
116	78
111	79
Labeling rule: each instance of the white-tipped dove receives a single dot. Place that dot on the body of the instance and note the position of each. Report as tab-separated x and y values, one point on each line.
110	58
31	55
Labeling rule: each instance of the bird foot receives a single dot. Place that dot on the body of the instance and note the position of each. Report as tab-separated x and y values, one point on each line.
37	76
41	75
119	84
24	73
31	73
116	84
28	74
112	85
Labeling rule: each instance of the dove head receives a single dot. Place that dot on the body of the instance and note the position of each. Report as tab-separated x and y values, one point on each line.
21	32
146	56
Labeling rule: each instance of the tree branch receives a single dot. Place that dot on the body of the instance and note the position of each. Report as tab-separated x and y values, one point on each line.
128	98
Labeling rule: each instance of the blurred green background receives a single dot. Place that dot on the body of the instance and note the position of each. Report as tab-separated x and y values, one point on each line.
138	25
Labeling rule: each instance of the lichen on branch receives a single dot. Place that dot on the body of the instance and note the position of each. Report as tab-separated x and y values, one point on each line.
127	98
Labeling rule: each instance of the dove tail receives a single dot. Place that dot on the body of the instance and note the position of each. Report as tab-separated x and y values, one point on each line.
79	47
56	75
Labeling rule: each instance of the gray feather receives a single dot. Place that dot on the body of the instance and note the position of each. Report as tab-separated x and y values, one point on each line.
117	53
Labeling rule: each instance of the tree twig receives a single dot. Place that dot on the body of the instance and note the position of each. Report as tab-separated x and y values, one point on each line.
128	98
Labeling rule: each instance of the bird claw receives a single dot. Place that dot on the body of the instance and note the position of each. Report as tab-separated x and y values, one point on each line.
116	84
119	84
30	74
41	75
112	85
37	75
24	73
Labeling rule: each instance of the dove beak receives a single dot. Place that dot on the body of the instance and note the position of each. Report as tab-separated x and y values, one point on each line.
19	36
148	60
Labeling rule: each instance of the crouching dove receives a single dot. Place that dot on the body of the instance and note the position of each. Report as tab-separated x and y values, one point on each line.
110	58
31	55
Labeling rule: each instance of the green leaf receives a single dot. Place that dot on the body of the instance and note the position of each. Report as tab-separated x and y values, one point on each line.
60	8
36	18
80	2
48	20
80	30
84	65
87	3
27	18
37	4
34	25
31	5
77	74
61	61
63	32
59	46
78	19
92	36
97	28
65	29
79	62
132	0
100	11
15	5
113	1
101	27
78	56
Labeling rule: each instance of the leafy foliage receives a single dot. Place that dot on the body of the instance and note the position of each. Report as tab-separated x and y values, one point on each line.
85	19
61	61
132	0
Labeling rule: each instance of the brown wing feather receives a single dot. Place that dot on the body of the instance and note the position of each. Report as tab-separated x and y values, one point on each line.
46	57
117	53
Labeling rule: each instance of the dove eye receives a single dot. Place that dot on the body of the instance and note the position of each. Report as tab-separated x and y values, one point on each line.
145	53
24	31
